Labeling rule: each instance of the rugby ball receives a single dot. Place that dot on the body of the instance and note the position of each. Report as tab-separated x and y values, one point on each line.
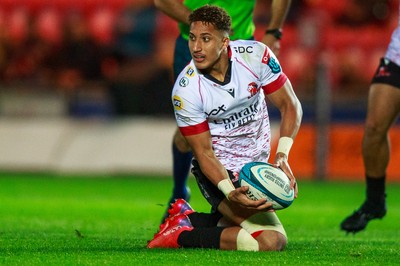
266	181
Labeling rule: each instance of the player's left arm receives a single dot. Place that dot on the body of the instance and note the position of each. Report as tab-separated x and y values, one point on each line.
291	112
273	34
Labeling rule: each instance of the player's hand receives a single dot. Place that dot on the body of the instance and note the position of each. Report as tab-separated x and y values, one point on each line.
239	196
282	163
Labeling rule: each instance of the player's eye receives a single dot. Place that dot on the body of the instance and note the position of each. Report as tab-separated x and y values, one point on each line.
191	37
206	39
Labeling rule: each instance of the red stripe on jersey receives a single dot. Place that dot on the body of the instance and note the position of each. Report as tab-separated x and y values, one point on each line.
275	85
193	130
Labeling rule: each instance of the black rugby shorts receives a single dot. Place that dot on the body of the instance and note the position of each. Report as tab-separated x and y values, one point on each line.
387	73
211	193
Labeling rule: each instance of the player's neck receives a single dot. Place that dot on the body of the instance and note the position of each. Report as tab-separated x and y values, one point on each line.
219	69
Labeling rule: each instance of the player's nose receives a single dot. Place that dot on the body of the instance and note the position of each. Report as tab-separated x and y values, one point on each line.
197	46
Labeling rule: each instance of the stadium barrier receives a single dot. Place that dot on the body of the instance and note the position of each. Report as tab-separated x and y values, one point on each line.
344	153
86	146
143	145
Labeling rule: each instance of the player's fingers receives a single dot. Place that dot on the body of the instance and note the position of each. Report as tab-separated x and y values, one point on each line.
265	207
260	204
296	189
286	169
292	181
243	189
289	174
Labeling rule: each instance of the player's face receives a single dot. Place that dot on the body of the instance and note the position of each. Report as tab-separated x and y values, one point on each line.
206	44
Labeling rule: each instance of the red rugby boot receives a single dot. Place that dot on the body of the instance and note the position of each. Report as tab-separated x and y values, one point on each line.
180	206
169	232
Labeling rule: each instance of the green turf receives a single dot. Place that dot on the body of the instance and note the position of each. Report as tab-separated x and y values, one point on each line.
53	220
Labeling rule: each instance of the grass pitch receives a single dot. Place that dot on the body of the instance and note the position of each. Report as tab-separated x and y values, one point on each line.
55	220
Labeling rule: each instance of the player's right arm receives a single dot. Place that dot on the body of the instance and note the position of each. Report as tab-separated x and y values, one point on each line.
174	9
211	167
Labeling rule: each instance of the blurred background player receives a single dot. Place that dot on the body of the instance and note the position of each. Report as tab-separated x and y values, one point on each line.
383	109
243	27
221	110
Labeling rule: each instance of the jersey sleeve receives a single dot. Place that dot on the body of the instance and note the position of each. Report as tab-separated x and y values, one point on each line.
272	76
189	114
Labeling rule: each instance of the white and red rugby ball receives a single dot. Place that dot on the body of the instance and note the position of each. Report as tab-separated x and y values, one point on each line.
266	181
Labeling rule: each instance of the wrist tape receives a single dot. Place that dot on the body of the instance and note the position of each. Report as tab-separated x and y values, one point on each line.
284	145
226	186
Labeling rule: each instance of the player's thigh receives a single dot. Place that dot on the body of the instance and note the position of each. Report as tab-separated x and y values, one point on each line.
211	193
383	106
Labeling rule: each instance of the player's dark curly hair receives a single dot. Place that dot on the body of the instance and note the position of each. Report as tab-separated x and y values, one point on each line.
214	15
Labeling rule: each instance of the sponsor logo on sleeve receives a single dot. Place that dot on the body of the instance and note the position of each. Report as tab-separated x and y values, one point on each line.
271	62
184	82
265	57
190	72
183	118
177	101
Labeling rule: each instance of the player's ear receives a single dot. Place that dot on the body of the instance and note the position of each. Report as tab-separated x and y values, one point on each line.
225	42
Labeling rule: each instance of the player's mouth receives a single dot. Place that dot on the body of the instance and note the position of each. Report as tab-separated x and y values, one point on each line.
199	58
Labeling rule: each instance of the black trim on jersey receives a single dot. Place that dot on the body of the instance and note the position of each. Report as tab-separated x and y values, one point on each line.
227	76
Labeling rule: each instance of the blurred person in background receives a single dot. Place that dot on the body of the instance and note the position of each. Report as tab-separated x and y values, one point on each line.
221	110
79	58
78	67
133	72
383	109
243	27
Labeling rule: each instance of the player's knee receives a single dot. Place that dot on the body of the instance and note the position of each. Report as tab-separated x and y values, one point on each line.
266	228
271	241
373	136
180	142
375	128
371	129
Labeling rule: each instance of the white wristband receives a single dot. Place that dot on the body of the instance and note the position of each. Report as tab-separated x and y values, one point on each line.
226	187
284	145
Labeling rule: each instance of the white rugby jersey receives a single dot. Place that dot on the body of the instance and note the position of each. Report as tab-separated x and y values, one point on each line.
235	110
393	51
